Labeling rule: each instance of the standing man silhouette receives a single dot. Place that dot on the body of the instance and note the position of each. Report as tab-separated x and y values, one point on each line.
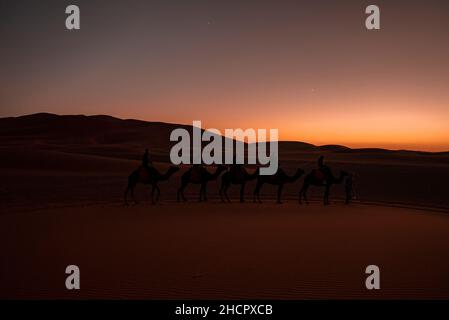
349	188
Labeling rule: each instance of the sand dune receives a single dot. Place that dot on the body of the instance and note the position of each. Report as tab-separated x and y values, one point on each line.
225	251
61	202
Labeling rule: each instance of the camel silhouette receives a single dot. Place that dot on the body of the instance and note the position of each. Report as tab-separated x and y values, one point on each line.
231	177
321	178
149	176
279	179
202	177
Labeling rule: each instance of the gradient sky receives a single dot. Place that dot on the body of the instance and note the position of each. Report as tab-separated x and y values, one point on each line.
309	68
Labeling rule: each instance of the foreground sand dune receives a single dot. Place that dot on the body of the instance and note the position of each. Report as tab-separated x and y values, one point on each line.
215	250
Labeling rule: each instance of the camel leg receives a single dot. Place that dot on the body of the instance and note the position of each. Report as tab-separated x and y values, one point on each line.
242	193
132	195
279	193
181	191
225	191
349	195
152	193
222	192
178	198
326	195
256	194
132	182
256	190
303	193
183	196
201	193
158	193
126	196
205	192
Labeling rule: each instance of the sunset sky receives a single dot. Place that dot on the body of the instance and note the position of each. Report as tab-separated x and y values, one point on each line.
308	68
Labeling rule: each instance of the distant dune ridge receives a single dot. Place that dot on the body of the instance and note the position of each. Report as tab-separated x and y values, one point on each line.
65	131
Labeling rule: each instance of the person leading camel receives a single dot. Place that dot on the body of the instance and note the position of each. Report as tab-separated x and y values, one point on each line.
349	188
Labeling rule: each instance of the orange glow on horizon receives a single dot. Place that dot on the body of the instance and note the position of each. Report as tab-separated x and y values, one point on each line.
394	131
387	129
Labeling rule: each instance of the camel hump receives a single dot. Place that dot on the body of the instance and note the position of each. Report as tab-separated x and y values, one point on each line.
238	171
280	173
318	174
145	173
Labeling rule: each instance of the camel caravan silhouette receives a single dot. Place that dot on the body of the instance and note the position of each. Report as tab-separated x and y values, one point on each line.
236	174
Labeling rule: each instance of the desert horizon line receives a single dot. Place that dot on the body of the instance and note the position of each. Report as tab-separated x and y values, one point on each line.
355	146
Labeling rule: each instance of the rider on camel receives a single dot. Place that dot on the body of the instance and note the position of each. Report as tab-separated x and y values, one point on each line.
322	168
